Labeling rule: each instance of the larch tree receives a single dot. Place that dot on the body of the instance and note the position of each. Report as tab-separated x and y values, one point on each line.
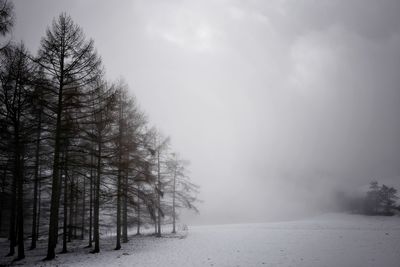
15	75
158	147
75	150
180	188
37	108
102	121
67	58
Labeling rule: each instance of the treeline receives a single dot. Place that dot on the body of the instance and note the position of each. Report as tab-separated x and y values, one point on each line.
378	200
77	156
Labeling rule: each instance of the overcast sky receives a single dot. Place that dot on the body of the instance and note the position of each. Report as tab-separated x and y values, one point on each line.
277	104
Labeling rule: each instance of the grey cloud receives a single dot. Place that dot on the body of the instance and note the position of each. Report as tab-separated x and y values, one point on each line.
277	104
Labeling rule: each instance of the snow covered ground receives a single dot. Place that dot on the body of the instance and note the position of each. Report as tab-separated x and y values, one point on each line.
328	240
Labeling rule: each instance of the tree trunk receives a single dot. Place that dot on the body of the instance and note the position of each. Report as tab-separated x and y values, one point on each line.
118	245
158	195
83	208
65	221
12	229
57	227
125	211
97	202
138	213
19	177
173	204
71	209
119	178
75	221
55	194
92	178
39	206
3	179
36	181
20	209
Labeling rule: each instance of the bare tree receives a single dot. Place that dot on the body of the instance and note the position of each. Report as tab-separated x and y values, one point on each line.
102	118
66	58
15	75
63	126
183	191
38	105
158	148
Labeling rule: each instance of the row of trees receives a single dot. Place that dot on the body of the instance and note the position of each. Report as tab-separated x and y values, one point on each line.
378	200
77	156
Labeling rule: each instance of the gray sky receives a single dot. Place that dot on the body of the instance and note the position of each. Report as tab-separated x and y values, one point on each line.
277	103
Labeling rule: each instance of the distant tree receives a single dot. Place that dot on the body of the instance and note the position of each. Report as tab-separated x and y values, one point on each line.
380	199
159	150
372	199
387	199
183	191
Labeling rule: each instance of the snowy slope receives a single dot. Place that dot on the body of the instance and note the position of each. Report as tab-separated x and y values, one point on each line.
329	240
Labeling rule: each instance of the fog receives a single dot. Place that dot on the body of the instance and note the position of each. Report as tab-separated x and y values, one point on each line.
277	104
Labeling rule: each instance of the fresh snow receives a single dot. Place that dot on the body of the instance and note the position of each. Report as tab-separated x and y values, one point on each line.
328	240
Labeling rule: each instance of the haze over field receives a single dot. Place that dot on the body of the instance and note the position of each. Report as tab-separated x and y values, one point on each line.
277	104
200	133
324	240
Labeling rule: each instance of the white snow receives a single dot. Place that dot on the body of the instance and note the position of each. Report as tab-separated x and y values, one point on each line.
329	240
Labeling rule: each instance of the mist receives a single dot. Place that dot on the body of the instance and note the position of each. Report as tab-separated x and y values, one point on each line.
278	105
